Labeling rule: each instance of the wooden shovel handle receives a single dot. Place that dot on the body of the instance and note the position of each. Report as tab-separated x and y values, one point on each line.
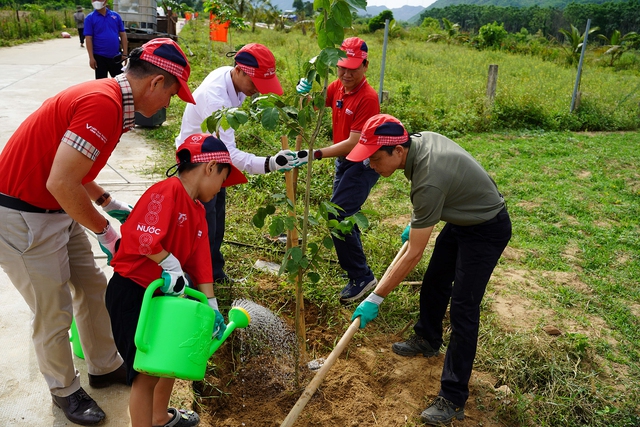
315	382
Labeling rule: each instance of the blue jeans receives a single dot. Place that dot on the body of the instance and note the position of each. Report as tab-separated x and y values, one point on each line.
351	187
461	265
215	214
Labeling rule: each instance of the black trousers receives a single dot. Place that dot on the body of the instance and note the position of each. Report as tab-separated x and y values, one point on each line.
106	66
215	213
461	265
81	35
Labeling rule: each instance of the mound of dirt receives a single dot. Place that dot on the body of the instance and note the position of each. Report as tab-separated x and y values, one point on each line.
369	385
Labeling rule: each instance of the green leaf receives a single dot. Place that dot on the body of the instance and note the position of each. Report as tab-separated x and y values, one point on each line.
318	101
313	277
319	23
333	223
209	125
335	32
270	209
358	4
241	116
327	242
321	4
330	56
270	117
292	266
231	119
361	220
341	13
223	123
295	253
323	41
313	248
290	223
304	262
258	221
276	227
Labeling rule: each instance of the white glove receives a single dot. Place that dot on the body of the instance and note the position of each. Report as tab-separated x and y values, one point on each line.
174	279
118	210
108	240
284	161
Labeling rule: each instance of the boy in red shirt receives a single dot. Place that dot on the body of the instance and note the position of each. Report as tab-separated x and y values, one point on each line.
165	236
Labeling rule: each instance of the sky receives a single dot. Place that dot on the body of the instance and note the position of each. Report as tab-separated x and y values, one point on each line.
393	4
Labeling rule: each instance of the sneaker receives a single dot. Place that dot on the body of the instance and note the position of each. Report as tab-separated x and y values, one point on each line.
441	411
79	408
356	288
414	346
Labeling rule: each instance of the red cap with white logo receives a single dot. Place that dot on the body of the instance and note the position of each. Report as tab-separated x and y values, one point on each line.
259	63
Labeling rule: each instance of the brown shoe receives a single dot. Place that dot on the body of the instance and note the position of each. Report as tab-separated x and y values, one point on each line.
80	408
119	376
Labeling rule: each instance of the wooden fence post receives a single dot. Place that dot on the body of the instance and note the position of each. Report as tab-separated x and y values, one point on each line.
492	82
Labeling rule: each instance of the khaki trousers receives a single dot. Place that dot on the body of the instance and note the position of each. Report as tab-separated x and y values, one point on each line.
49	260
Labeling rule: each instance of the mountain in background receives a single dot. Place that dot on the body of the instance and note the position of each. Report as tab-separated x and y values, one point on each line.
403	13
515	3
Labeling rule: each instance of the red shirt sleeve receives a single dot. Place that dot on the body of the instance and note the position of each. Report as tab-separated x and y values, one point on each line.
97	120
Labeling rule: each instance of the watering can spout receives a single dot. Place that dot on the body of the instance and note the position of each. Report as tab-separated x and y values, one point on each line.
238	318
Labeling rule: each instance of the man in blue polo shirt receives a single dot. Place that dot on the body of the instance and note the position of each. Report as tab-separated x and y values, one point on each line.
104	32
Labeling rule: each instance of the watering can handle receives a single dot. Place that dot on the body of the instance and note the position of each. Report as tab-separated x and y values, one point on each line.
144	312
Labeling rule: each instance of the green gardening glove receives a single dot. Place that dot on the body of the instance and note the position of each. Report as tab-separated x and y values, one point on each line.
405	234
218	324
118	210
368	309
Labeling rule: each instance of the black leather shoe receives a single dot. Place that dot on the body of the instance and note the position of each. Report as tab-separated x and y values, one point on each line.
119	376
80	408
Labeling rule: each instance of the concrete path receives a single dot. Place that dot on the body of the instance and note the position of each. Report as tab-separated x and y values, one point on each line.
29	74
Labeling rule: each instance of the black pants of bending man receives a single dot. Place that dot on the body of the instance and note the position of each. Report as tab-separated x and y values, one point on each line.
462	262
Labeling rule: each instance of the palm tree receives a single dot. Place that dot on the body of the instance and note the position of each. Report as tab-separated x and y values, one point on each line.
575	40
451	33
616	45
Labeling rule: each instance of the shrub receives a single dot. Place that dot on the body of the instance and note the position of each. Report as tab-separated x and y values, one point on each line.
377	22
492	35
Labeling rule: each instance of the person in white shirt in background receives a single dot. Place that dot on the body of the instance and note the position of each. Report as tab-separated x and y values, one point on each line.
227	87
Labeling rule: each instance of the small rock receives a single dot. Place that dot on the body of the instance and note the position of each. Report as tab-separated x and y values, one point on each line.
504	389
316	364
551	330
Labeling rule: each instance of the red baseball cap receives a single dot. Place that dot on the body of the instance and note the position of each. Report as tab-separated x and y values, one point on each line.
259	63
204	147
356	50
379	130
166	54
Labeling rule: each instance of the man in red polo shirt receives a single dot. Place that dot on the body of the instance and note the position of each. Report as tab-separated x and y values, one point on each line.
353	101
49	165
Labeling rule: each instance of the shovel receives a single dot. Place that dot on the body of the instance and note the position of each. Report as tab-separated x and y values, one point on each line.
344	341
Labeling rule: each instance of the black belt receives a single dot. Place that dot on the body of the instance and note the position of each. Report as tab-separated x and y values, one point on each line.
20	205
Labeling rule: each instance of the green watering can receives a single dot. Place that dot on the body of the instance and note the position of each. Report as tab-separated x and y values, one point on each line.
75	340
173	337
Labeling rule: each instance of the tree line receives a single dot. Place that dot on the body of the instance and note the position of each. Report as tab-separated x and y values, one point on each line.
608	17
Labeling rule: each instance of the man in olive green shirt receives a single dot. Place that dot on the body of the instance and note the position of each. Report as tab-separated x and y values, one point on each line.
447	184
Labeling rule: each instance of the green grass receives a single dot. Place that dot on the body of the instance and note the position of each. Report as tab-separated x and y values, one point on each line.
574	200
